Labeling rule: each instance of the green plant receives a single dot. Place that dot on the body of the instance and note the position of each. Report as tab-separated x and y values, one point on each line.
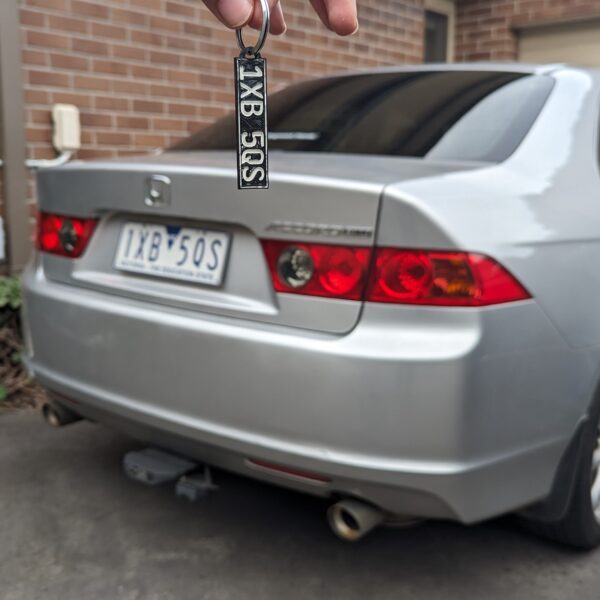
16	386
12	373
10	299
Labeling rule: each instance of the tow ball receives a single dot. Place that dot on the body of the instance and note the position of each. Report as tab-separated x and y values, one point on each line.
153	467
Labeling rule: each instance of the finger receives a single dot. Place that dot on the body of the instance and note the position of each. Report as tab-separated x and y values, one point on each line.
278	25
233	13
338	15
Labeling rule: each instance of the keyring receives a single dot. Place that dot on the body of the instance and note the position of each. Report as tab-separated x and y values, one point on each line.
262	36
251	110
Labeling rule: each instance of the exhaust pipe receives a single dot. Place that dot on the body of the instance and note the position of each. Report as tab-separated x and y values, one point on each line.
352	519
57	415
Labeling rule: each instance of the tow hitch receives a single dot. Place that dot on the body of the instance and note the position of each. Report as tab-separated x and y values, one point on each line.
156	467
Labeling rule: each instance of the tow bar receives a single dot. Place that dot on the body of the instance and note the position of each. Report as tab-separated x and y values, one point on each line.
153	467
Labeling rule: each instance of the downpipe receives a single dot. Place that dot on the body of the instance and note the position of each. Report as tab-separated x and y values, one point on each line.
57	415
352	519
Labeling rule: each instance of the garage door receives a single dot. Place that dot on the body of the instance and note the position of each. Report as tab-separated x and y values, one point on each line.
575	43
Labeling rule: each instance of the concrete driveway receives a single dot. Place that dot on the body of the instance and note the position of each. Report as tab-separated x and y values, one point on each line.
73	527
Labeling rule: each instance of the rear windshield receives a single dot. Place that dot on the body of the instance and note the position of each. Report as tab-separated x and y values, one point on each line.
448	115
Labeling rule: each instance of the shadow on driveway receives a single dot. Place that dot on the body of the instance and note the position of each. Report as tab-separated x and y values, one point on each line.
73	527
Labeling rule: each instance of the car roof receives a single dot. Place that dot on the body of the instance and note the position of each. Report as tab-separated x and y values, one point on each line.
501	67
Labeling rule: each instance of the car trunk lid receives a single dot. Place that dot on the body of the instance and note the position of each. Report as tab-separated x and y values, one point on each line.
313	198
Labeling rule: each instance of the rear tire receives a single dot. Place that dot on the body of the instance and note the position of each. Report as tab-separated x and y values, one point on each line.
580	524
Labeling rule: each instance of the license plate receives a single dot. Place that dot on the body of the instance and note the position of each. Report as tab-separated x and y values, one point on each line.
198	255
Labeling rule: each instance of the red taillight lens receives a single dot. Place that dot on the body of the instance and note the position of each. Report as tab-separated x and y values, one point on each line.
62	235
434	278
318	269
440	279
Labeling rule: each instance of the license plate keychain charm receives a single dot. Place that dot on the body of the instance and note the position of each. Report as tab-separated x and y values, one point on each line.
251	110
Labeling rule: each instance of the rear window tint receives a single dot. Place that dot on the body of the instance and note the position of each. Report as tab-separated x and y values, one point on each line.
452	115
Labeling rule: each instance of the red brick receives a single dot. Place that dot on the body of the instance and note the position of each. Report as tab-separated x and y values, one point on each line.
67	24
131	52
179	8
182	109
165	24
146	37
79	100
92	153
69	62
96	120
168	124
48	79
39	134
85	82
35	57
109	31
150	140
166	58
147	72
113	138
47	40
110	67
155	5
133	123
49	4
146	106
130	87
89	9
129	16
111	103
90	47
168	91
32	17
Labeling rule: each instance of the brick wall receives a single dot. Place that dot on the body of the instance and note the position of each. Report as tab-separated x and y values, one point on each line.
485	29
146	72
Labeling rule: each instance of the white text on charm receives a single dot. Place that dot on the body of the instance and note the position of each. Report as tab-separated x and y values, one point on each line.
255	106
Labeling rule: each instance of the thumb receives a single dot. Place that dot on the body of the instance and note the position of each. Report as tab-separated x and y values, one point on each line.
233	13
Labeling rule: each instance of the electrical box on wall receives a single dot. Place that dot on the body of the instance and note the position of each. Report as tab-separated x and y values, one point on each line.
67	128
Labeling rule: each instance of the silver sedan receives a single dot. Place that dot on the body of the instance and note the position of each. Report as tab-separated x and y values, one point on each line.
407	322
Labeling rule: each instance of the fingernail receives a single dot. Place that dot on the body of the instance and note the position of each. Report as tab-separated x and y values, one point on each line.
356	30
235	12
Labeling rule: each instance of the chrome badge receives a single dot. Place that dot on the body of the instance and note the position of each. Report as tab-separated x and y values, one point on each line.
158	191
294	228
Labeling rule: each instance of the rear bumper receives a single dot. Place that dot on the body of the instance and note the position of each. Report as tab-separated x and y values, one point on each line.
413	410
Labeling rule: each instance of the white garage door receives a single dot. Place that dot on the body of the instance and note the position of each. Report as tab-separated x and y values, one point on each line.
575	43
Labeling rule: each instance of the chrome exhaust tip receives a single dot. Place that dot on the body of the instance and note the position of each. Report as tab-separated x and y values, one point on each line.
57	415
352	519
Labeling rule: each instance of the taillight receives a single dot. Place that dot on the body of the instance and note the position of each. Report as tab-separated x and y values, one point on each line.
62	235
318	269
390	275
440	279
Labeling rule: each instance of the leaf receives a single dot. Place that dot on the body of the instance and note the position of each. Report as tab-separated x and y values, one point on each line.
10	293
3	393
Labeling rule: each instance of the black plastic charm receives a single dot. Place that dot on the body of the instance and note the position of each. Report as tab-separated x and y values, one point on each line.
252	134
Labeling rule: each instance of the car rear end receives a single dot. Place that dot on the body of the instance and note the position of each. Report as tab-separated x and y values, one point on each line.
295	335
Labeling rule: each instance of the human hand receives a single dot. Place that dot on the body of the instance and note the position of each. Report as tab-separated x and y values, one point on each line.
337	15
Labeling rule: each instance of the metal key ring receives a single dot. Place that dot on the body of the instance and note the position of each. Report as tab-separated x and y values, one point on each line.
262	36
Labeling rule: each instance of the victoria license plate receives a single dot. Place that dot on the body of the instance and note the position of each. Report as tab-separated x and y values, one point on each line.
188	254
